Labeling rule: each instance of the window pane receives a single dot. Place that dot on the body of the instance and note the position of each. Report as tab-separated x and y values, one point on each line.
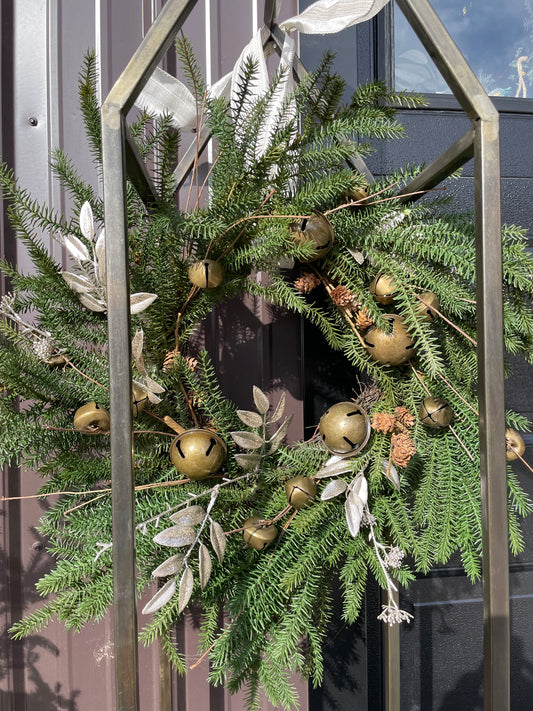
495	37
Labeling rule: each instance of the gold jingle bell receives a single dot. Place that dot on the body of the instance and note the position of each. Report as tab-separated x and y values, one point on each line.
139	400
257	534
424	309
435	412
300	491
344	429
392	348
197	453
358	194
206	274
317	232
91	419
382	289
514	445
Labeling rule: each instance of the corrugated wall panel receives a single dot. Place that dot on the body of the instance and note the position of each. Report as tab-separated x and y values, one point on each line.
43	43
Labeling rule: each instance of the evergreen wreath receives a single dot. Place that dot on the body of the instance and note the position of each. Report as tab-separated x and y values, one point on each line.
388	485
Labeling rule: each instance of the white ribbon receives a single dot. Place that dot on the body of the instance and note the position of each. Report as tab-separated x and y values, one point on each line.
164	94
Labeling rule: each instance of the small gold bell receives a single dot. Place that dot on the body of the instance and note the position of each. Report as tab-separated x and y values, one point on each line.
258	535
424	309
197	453
91	419
300	491
344	429
514	445
139	400
317	232
358	194
206	274
382	289
435	412
392	348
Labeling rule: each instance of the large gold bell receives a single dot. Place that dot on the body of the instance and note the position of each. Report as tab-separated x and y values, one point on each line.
515	445
317	232
197	453
424	309
139	400
91	419
435	412
392	348
344	429
258	535
206	274
300	491
382	289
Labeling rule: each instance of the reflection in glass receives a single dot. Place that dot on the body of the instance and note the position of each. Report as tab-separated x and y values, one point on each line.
495	37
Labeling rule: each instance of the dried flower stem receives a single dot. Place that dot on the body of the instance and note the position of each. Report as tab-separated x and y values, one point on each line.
444	380
362	200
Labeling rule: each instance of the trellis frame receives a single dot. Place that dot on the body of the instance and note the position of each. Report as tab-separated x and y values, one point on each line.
121	160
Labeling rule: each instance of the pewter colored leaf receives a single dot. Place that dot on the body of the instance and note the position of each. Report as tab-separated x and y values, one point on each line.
92	303
248	461
252	419
333	489
87	221
390	471
280	409
186	588
357	255
170	566
176	536
78	283
260	400
191	516
359	488
218	540
247	440
141	301
278	437
335	466
99	253
204	565
161	597
353	513
76	248
137	344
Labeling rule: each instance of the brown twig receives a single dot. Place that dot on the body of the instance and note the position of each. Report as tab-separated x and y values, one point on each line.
458	394
463	445
362	201
443	317
71	365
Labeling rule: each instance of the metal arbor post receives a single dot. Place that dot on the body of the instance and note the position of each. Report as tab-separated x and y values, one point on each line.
120	159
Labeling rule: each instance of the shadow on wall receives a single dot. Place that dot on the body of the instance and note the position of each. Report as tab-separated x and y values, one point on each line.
467	694
20	660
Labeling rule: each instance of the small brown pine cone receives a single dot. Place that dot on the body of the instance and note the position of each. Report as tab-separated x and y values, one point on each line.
363	320
403	449
383	422
404	419
307	282
192	363
342	296
168	361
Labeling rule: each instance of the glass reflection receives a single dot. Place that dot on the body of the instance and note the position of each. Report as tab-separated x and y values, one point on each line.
496	39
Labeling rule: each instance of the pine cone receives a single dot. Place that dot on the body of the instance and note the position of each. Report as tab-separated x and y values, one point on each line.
368	396
363	320
168	361
403	449
307	282
404	419
341	296
383	422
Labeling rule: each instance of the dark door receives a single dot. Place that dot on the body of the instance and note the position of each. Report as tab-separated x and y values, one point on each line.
442	648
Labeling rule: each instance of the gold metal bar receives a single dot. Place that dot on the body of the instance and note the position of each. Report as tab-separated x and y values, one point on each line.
391	660
441	168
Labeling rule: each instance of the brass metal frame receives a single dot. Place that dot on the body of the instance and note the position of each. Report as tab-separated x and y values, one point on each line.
120	159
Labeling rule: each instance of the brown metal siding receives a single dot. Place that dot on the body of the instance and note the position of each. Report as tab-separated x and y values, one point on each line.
43	42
